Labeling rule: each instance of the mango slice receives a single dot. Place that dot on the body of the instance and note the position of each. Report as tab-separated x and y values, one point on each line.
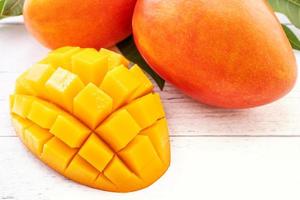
93	119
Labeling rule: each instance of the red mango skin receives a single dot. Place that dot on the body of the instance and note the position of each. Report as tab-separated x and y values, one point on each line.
230	54
84	23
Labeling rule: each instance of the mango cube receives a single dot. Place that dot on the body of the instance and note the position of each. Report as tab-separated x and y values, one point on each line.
43	114
22	85
35	138
119	83
99	105
20	125
96	152
159	135
104	183
145	86
61	57
70	131
62	87
22	105
114	59
36	77
81	170
146	110
57	154
93	120
124	178
139	153
118	130
90	66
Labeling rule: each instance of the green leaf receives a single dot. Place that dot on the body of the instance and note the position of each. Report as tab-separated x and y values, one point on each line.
291	8
295	42
11	8
129	50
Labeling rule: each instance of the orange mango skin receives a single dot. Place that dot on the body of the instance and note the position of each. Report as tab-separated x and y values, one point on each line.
88	23
225	54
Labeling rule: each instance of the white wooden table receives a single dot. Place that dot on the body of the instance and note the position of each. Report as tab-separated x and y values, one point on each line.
216	154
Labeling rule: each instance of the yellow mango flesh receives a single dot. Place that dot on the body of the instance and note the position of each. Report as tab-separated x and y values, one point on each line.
114	59
92	119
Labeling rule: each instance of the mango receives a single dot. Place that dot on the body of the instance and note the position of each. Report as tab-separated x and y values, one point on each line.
229	54
89	23
88	116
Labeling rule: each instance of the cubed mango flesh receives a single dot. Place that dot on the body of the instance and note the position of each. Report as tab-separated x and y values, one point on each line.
20	124
119	129
36	77
146	110
100	105
159	136
61	57
35	138
96	152
93	119
22	86
22	105
43	114
120	174
145	85
119	83
57	154
90	66
114	59
69	130
140	155
62	87
81	171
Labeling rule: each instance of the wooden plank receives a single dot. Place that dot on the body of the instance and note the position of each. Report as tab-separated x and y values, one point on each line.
202	168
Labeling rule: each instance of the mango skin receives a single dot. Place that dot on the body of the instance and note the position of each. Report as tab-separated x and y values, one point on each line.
225	54
88	23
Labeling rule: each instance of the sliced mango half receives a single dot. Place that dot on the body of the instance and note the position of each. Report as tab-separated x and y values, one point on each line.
88	116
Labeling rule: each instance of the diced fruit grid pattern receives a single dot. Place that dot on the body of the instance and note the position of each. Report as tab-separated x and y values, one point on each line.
88	116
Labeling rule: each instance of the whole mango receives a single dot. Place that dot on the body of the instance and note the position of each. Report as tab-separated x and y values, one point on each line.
231	54
88	23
